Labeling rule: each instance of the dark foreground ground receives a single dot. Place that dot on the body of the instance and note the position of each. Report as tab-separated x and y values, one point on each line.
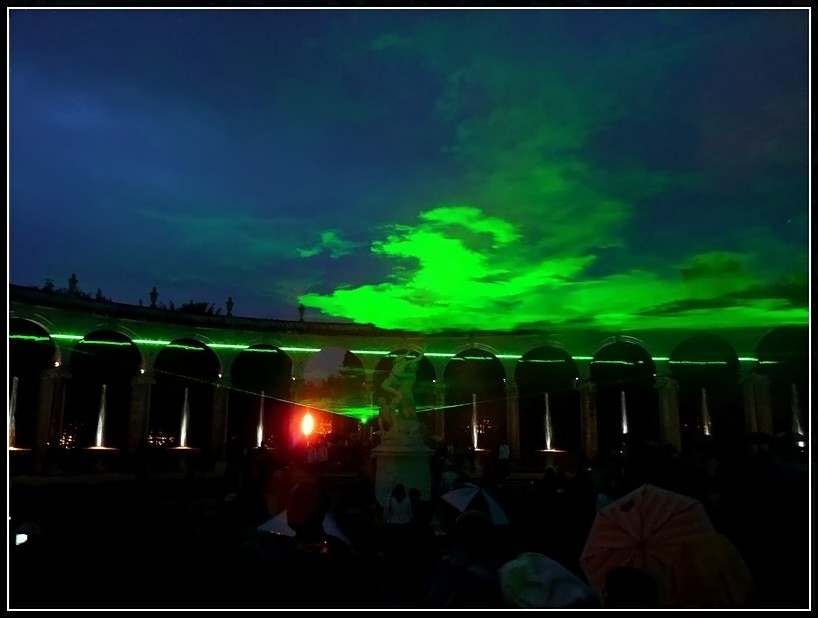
116	542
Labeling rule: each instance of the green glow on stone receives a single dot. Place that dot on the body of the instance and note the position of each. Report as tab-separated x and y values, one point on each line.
616	362
295	349
29	337
247	348
372	352
685	362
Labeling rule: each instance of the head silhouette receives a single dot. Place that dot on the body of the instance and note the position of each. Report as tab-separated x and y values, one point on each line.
399	492
307	506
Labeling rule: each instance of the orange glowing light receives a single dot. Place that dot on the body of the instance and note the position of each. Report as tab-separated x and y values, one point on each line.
307	424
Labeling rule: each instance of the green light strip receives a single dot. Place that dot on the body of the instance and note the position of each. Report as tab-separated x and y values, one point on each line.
616	362
698	362
236	346
290	349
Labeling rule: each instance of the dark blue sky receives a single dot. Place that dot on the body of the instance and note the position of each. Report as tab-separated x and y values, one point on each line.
418	168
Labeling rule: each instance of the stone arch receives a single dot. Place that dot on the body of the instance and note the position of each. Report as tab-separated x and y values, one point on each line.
624	372
334	392
548	371
474	375
209	343
102	366
623	339
260	378
784	359
183	364
706	368
31	351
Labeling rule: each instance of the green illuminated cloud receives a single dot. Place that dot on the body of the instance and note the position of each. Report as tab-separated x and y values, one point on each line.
331	242
451	285
550	232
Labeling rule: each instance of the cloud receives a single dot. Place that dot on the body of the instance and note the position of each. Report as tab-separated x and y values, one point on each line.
443	283
331	242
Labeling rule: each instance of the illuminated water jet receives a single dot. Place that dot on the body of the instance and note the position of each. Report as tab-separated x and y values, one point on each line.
548	428
260	426
549	432
12	413
705	413
795	407
101	419
185	420
474	420
624	409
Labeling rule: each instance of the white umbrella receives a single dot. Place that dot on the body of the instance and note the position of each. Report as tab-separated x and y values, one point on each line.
471	497
278	525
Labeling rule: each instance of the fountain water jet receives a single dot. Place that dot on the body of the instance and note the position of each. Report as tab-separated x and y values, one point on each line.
184	455
99	452
12	414
795	407
624	409
260	427
185	420
474	420
548	428
549	433
705	413
101	419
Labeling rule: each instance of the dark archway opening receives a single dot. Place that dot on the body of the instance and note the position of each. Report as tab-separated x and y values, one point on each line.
624	375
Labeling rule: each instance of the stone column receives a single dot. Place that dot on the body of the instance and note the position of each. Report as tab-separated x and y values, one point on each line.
670	431
588	422
758	415
764	412
513	418
748	389
49	422
298	381
140	411
440	403
218	440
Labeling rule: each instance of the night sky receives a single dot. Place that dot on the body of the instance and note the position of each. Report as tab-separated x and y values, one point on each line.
418	169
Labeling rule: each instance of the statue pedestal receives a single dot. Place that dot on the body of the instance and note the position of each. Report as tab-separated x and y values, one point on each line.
402	457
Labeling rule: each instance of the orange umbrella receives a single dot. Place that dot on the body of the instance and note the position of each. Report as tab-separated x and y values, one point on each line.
710	573
642	530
